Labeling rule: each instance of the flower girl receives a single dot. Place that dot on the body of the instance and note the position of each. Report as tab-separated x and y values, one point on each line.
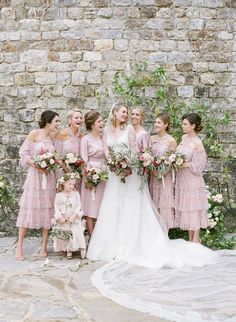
67	224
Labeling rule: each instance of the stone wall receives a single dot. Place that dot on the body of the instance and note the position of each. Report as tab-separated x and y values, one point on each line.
57	54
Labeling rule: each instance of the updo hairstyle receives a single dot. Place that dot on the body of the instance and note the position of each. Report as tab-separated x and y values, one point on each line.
165	119
90	118
195	119
46	118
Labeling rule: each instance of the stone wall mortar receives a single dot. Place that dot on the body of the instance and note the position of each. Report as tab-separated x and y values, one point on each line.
60	54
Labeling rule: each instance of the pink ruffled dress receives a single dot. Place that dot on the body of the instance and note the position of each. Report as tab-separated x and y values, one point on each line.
92	152
66	206
163	196
36	204
191	202
143	140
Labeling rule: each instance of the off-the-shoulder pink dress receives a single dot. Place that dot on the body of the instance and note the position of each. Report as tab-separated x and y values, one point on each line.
191	203
163	196
36	204
143	140
92	152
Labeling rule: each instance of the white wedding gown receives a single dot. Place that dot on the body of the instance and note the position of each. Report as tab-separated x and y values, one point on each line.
148	271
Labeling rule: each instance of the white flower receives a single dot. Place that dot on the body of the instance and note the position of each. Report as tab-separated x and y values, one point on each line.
70	155
43	164
172	157
1	184
95	177
52	161
218	198
179	162
124	165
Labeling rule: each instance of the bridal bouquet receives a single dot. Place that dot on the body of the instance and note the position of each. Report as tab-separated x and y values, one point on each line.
73	163
120	163
143	164
93	177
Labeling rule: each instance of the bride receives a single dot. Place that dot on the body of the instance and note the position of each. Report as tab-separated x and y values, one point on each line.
129	235
128	226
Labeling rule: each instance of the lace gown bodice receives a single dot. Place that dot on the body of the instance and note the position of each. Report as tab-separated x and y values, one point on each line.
118	143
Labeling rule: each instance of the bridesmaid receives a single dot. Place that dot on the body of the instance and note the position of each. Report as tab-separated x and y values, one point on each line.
36	204
92	152
163	197
143	139
68	140
190	197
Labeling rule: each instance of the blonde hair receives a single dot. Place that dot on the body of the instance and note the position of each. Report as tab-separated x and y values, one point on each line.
70	114
141	111
116	107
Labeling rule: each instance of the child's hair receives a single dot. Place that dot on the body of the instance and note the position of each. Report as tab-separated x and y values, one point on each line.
67	176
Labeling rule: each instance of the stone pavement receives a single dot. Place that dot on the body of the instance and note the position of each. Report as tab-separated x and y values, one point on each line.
55	289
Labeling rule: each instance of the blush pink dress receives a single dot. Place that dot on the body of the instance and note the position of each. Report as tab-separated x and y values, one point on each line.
36	204
191	202
92	152
163	196
143	140
70	145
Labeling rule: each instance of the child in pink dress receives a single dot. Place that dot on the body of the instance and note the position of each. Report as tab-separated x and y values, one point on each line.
36	202
92	152
191	203
163	195
68	227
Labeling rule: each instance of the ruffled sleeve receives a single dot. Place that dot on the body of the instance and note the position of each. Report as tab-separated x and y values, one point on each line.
78	209
25	153
199	161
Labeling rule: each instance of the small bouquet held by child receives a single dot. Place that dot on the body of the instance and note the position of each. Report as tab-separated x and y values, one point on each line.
120	163
67	224
46	162
93	177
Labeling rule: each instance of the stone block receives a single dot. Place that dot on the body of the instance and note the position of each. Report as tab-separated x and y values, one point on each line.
67	67
185	91
164	3
29	24
35	104
55	67
92	56
201	91
197	24
121	44
6	80
75	13
31	92
26	115
93	77
83	66
85	44
10	36
158	57
70	91
8	13
50	35
64	78
105	12
45	78
207	79
76	56
30	35
112	55
121	3
78	78
200	67
100	23
101	3
62	24
91	103
168	45
57	103
103	45
111	34
36	60
24	79
11	58
72	34
116	65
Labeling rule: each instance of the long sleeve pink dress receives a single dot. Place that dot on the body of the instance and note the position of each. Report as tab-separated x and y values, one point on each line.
92	152
163	196
36	204
191	203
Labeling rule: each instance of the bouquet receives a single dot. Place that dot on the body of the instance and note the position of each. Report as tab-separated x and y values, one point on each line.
143	163
120	163
161	166
93	177
46	161
176	160
60	232
74	163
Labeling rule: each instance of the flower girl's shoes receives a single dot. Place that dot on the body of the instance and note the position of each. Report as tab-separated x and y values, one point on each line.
69	255
82	253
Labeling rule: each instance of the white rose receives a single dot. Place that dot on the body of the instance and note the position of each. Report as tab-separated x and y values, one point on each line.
95	177
43	164
70	155
52	161
218	198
